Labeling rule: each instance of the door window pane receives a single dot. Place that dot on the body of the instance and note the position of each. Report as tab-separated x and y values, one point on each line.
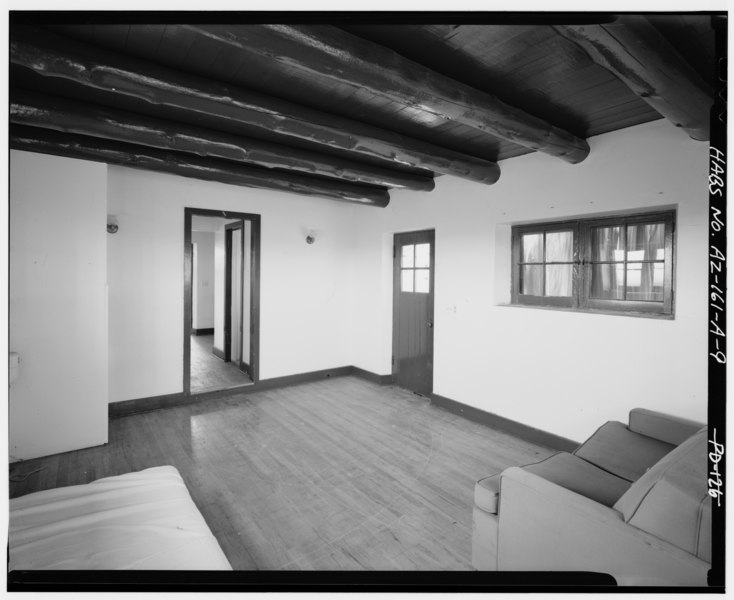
422	279
531	280
532	247
406	280
559	280
607	281
559	246
422	256
607	244
406	257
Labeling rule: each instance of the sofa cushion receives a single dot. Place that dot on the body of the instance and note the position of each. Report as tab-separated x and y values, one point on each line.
671	500
627	454
580	476
486	492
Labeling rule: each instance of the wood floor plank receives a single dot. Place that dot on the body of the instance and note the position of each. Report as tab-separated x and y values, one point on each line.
330	475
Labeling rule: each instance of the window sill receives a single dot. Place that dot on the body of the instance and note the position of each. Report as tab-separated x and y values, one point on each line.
591	311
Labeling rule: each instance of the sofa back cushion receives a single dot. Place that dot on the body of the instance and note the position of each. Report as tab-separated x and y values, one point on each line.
663	427
627	454
671	500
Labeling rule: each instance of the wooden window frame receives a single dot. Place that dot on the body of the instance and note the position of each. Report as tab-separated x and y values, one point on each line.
543	228
581	299
413	270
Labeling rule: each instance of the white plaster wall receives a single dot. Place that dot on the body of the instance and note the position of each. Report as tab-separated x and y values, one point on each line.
330	304
304	292
203	308
57	304
562	372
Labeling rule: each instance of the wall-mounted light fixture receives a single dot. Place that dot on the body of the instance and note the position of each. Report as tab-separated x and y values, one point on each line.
309	234
112	225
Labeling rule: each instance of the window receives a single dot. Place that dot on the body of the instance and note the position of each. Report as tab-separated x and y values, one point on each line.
415	268
622	264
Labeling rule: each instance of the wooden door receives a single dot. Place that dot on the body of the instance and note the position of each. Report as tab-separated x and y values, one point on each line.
413	260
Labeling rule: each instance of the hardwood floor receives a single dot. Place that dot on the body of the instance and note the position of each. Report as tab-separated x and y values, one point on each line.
332	475
209	372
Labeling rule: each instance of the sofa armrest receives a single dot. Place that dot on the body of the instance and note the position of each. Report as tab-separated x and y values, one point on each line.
545	527
661	426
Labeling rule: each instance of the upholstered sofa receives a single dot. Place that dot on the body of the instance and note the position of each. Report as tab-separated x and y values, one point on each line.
632	501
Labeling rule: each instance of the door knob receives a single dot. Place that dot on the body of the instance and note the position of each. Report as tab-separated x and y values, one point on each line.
430	323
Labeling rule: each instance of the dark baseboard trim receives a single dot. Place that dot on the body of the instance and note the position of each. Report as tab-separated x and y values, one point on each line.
129	407
207	331
530	434
217	352
140	405
373	377
287	380
244	367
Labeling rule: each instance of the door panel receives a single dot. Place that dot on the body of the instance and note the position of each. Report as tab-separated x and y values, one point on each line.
413	294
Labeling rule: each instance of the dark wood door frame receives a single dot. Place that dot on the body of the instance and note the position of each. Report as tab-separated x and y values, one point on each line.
228	230
254	364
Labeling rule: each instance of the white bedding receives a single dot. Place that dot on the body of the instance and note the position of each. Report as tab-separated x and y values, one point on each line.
143	520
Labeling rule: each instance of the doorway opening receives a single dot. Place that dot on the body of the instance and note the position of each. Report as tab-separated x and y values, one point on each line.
413	277
221	300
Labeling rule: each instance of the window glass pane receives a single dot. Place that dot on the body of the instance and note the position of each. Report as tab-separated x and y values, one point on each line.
558	280
532	247
607	244
645	241
406	280
422	255
531	280
607	281
658	274
634	277
406	257
641	282
559	246
422	280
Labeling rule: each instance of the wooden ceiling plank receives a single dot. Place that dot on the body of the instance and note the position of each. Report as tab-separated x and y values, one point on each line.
328	52
70	116
144	40
47	141
636	52
51	56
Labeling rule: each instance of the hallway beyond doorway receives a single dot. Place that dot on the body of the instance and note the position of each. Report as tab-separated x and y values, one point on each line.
209	372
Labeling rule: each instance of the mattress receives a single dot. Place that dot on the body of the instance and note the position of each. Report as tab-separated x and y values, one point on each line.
143	520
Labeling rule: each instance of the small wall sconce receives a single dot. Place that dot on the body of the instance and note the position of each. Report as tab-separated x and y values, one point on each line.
309	234
112	225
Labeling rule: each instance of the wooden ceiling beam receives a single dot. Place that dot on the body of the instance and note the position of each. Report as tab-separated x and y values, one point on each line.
325	51
53	56
70	116
636	52
48	141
